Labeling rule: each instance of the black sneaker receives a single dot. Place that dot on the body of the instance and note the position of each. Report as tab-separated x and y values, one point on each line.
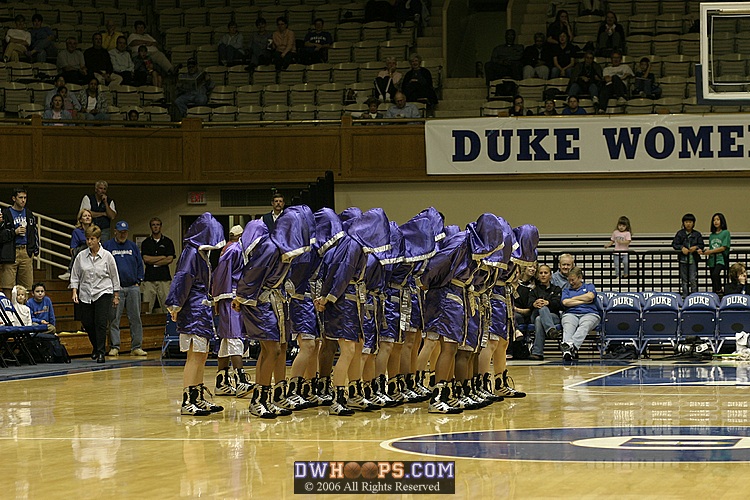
567	354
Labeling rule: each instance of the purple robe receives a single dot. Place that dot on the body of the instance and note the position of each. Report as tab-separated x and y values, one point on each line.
224	287
189	291
499	296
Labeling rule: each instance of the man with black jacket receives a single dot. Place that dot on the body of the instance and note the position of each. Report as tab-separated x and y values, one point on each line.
19	242
545	301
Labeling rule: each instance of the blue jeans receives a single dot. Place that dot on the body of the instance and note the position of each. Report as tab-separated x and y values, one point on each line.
575	89
618	258
577	326
544	321
688	278
130	299
188	99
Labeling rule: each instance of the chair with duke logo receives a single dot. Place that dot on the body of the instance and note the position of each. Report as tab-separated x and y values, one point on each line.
734	317
698	316
622	320
660	318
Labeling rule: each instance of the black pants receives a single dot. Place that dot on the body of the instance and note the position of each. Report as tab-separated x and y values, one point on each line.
94	317
717	273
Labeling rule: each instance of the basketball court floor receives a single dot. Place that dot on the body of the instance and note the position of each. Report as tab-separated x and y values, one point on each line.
645	429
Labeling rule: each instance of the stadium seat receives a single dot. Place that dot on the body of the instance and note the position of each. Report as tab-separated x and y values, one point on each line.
660	318
622	320
734	316
698	317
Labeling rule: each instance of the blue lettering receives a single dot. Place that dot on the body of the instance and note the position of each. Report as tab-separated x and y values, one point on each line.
459	147
624	141
667	142
729	141
318	469
695	140
526	145
565	137
493	146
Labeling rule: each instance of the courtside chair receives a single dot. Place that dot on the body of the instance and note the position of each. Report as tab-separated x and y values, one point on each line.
734	317
660	318
622	320
699	316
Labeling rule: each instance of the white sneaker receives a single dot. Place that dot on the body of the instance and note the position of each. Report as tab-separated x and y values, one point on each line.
64	276
138	352
113	352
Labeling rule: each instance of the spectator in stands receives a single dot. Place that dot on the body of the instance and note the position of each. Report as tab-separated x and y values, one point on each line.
19	303
372	110
42	40
96	287
71	64
99	63
158	253
111	36
521	307
284	44
193	88
94	104
645	82
537	59
581	313
19	242
573	108
316	44
102	208
57	111
78	238
719	243
549	108
70	102
688	241
560	277
42	311
561	24
122	62
545	301
591	7
130	272
616	81
417	83
140	37
59	83
261	45
388	81
505	60
402	109
563	57
133	115
611	36
737	280
277	207
231	46
519	107
17	40
145	70
586	76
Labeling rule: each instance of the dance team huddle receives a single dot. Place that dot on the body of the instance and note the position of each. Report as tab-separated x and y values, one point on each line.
418	311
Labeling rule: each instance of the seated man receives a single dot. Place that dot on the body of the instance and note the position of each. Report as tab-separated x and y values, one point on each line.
645	82
17	40
560	277
586	77
537	59
140	37
317	43
403	109
573	107
193	88
99	63
122	62
545	302
261	45
549	108
506	59
616	80
42	40
519	107
417	83
231	46
71	64
581	313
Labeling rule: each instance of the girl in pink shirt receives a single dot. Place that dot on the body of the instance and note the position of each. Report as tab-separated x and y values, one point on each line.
621	238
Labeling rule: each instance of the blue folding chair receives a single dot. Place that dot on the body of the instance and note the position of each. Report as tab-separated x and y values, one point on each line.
661	318
734	317
622	320
698	316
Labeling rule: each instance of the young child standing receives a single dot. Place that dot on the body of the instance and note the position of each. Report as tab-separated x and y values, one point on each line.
621	238
688	241
42	312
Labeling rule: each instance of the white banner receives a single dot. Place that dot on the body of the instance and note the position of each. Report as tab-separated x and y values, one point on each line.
581	144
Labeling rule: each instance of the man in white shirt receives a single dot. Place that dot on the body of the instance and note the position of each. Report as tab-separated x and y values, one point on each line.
122	62
617	78
17	40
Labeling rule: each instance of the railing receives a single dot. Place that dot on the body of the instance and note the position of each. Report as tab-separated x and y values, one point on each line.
51	237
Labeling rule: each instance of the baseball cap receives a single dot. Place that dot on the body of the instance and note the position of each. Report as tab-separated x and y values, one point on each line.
236	230
122	226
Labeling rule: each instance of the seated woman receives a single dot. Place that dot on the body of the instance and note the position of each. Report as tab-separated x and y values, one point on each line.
611	36
545	302
581	313
521	307
388	81
56	112
94	104
737	280
561	24
417	83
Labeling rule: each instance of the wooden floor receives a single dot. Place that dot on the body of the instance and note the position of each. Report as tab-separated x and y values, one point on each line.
116	432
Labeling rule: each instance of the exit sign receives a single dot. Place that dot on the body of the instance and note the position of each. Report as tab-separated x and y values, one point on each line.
196	198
